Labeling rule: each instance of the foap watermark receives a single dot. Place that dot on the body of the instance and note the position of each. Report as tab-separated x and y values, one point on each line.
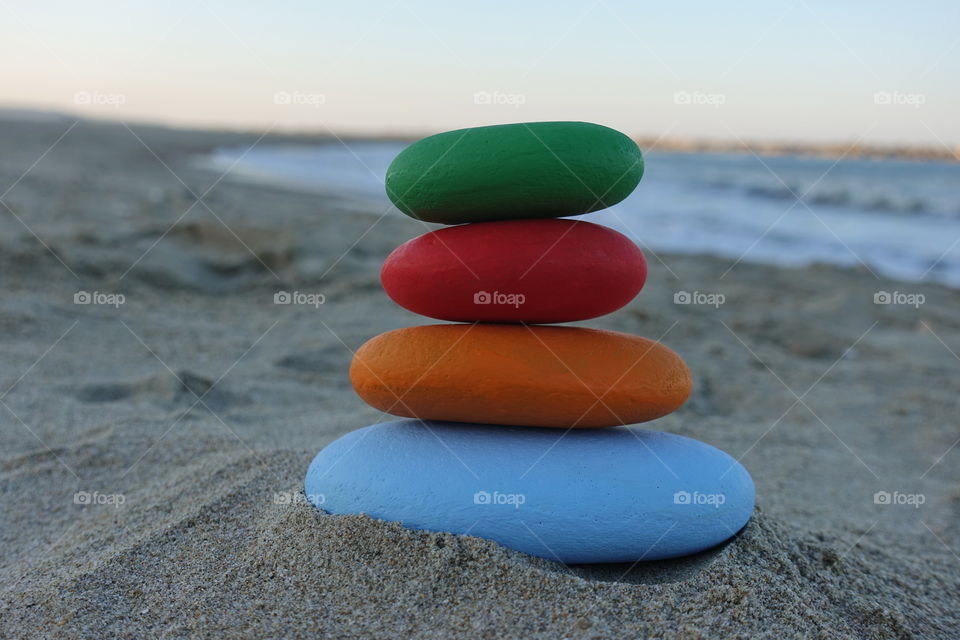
899	98
96	297
500	98
87	498
299	98
896	498
699	297
899	297
100	99
498	498
299	297
701	98
497	298
298	497
697	498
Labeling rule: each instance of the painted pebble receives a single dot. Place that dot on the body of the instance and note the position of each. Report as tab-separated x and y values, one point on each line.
531	271
525	170
609	495
506	374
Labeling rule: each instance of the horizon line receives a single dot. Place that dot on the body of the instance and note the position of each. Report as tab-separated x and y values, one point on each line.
765	146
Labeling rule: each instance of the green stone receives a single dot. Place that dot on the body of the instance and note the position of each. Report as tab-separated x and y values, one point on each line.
524	170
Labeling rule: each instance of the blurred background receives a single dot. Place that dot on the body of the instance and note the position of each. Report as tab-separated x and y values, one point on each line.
823	132
803	71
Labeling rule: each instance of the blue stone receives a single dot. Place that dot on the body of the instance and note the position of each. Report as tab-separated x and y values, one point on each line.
580	496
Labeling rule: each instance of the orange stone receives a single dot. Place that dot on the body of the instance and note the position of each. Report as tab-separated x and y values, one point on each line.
520	375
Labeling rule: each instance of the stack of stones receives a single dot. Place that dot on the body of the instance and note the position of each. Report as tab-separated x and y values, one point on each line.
514	429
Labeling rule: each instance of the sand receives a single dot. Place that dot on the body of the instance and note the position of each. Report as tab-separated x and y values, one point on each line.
198	403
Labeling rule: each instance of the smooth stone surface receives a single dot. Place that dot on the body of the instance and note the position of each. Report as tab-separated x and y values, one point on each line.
610	495
520	375
532	271
525	170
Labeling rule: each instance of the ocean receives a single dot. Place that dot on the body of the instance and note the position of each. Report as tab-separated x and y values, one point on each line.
898	218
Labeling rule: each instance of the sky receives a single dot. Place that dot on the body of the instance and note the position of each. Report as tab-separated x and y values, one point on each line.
803	70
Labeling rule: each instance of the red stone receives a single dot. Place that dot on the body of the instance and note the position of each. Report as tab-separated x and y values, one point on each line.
532	271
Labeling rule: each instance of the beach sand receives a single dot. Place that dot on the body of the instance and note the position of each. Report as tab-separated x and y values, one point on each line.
199	403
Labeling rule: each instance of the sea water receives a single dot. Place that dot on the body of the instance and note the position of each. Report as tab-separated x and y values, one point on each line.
898	218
